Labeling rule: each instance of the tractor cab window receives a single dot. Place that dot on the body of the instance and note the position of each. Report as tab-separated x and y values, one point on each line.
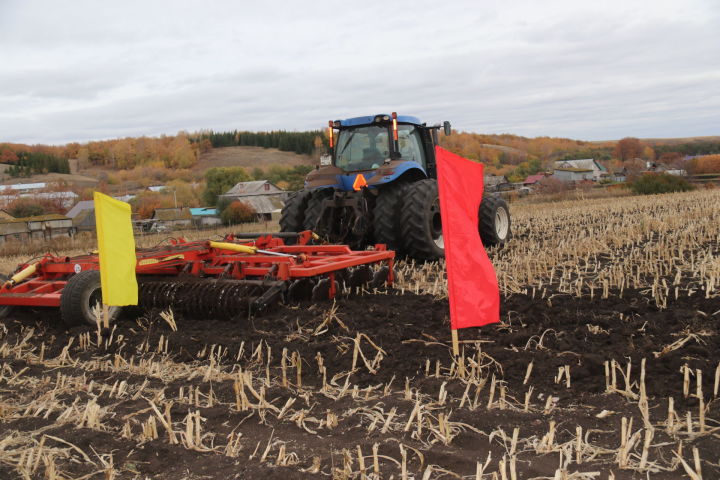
362	148
410	144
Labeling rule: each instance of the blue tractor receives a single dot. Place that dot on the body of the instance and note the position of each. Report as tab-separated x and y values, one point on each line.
379	185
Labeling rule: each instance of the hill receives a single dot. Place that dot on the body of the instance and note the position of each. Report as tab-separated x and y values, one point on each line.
251	157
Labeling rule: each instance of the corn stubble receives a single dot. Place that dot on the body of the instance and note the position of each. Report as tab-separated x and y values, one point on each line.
315	415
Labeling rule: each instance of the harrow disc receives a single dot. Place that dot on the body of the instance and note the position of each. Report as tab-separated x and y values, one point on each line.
202	298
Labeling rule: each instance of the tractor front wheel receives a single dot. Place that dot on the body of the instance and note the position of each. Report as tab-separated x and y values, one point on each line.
420	221
386	215
494	221
81	300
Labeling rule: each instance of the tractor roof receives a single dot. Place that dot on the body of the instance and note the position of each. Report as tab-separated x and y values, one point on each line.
369	119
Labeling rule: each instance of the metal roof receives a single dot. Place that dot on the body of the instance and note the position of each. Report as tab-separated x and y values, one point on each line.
256	187
24	186
81	206
534	178
167	214
38	218
261	203
203	211
355	121
583	163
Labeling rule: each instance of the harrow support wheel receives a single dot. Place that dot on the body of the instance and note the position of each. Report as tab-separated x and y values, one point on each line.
81	300
5	309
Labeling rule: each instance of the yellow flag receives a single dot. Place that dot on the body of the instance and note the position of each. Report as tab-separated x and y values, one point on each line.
116	246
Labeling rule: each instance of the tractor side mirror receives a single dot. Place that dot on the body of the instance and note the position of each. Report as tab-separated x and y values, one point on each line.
446	128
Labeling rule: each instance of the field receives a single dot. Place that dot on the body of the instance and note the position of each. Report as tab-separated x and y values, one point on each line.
605	365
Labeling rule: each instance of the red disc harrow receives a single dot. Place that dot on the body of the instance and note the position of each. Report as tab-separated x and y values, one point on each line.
204	278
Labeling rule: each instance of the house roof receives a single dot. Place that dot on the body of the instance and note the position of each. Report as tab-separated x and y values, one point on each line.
24	186
81	206
261	203
583	163
38	218
203	211
157	188
85	218
534	178
256	187
577	170
167	214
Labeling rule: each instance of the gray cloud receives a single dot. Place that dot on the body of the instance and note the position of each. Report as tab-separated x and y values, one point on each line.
93	70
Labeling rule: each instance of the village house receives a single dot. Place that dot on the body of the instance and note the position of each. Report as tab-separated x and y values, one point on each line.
172	218
582	169
203	217
39	227
265	198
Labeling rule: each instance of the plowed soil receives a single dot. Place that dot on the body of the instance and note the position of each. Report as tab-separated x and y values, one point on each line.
195	372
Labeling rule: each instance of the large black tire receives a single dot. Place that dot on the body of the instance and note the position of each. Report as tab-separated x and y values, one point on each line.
420	221
5	309
292	217
494	221
313	211
386	215
81	295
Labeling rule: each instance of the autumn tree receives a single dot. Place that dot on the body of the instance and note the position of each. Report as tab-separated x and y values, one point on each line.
704	164
221	179
237	212
629	148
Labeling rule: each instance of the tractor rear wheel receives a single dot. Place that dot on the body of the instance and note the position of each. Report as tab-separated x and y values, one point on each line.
292	218
420	221
494	221
386	215
81	300
314	209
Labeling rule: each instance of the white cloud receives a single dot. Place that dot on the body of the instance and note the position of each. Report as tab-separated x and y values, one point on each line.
89	70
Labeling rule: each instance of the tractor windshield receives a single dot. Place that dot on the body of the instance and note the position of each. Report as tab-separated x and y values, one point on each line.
362	148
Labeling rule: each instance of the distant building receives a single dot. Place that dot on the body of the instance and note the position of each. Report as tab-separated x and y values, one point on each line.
23	187
172	217
267	199
38	227
65	199
494	183
157	188
532	180
582	165
574	174
205	217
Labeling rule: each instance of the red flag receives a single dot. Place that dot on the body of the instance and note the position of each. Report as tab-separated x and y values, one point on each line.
472	285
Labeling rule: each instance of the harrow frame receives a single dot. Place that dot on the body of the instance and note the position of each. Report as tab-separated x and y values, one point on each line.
262	261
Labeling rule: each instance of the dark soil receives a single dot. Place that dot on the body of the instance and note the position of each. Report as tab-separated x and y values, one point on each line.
413	332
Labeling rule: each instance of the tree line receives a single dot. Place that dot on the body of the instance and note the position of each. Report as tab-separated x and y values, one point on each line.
302	143
31	163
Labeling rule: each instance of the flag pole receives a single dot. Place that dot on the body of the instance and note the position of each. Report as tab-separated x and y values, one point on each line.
455	342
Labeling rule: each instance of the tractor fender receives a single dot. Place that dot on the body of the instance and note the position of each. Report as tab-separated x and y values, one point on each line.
407	169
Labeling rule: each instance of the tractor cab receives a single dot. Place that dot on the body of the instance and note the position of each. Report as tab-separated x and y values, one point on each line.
381	147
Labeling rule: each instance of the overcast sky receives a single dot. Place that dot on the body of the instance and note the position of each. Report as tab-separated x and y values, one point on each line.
78	71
